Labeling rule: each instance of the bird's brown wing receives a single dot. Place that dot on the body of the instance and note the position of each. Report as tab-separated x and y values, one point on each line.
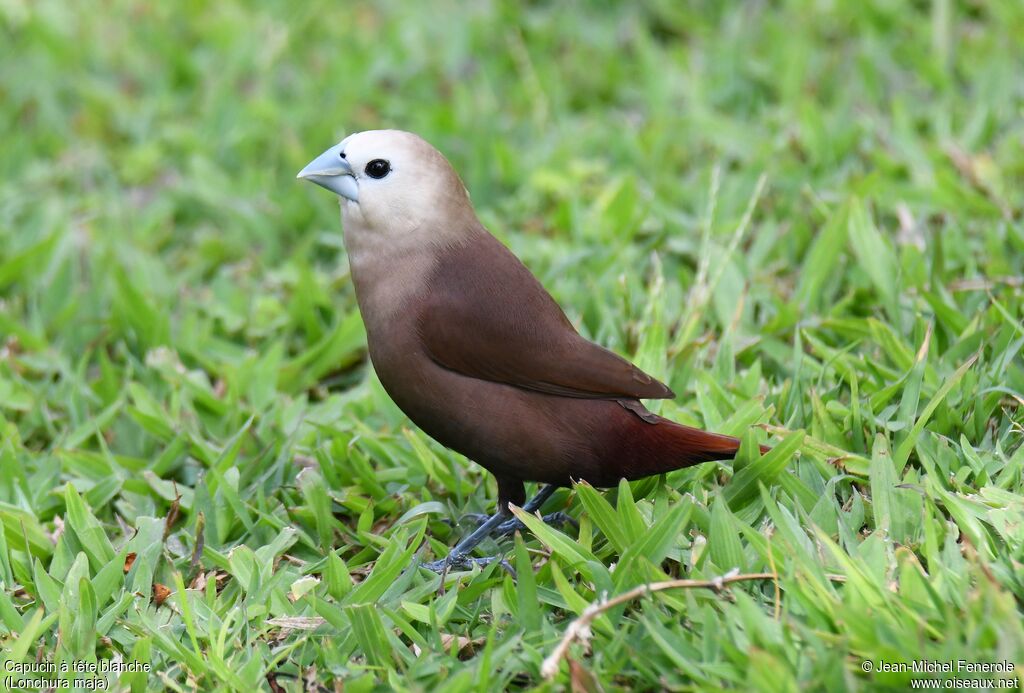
486	316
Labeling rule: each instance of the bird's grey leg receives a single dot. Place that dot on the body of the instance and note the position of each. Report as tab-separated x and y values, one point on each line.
540	498
533	505
459	556
555	519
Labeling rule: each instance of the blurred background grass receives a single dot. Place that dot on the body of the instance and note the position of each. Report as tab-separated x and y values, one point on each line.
801	214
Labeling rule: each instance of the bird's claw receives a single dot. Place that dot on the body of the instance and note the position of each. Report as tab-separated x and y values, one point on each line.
459	561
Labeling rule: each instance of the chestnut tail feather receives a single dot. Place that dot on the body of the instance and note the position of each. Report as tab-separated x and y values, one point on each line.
675	446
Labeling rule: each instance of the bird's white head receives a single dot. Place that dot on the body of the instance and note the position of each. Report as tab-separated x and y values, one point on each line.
390	182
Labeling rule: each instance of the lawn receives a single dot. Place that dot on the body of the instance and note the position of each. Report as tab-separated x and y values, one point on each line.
807	217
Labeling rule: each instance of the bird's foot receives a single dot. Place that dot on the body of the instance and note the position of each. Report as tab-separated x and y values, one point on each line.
460	561
459	558
555	519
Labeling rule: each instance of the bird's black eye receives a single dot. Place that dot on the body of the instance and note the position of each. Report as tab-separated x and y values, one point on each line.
378	168
341	154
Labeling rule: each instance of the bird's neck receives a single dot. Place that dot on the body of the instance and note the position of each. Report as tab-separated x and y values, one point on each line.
392	264
386	275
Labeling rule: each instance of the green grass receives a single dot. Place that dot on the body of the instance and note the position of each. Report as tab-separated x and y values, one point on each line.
805	216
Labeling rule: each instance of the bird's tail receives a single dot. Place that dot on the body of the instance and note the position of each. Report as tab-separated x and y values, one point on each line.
693	445
673	446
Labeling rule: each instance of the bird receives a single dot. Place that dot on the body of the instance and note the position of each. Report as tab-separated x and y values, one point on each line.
475	351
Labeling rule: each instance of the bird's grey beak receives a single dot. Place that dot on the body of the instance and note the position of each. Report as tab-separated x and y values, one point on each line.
331	171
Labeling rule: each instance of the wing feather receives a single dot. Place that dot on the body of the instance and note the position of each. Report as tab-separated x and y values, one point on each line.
488	317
